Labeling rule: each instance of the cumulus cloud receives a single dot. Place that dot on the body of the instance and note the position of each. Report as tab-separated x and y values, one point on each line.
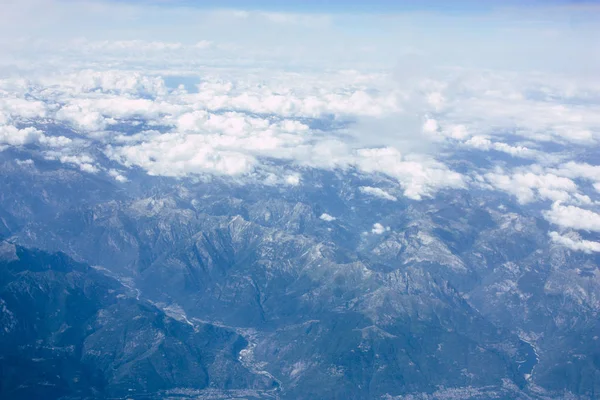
377	192
483	143
496	105
527	187
93	82
379	229
27	162
17	137
326	217
309	102
418	177
83	161
292	179
573	217
119	177
235	142
15	108
235	150
576	170
265	125
575	244
13	136
81	117
179	155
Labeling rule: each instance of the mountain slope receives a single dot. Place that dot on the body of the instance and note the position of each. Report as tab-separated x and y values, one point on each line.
69	331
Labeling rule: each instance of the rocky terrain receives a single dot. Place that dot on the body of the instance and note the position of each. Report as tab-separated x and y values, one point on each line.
203	289
69	331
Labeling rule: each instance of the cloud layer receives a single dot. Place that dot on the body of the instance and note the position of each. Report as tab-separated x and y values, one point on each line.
407	100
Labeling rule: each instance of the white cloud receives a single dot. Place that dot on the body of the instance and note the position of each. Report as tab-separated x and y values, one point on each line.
327	217
292	179
314	102
94	82
25	162
18	137
129	45
418	177
234	143
483	143
379	229
203	44
13	136
176	154
83	161
573	217
430	126
240	122
493	105
81	117
576	170
85	167
458	132
587	246
527	187
377	192
118	175
13	107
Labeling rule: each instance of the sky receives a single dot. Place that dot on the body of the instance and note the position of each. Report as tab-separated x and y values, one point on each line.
374	6
549	35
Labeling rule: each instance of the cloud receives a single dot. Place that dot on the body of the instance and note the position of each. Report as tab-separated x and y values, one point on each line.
13	136
326	217
573	217
17	137
205	139
94	82
83	161
377	192
292	179
379	229
25	162
418	176
259	126
314	102
497	105
14	108
587	246
178	155
483	143
233	144
527	187
504	40
118	175
576	170
130	45
81	118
